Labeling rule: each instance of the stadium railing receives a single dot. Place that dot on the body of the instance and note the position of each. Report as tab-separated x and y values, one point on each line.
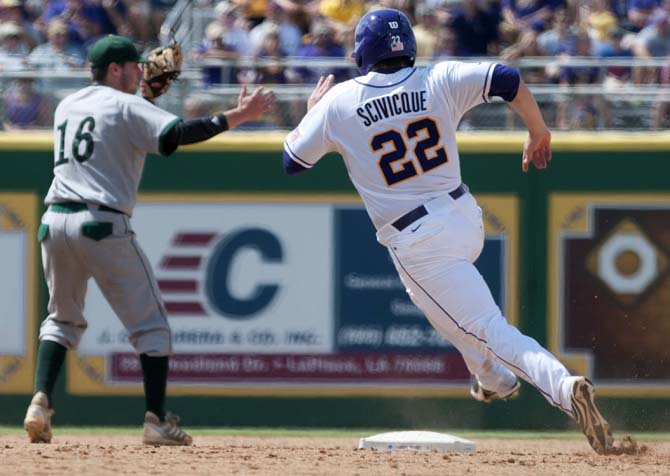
640	102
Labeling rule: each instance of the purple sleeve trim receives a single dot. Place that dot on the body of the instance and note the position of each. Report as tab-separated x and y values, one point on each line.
505	82
291	167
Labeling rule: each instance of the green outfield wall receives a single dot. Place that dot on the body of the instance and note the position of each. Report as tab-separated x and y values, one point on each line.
577	255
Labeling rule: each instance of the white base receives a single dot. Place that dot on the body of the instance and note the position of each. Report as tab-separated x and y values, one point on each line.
417	441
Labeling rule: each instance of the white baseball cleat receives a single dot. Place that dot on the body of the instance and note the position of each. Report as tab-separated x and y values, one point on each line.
167	432
592	423
480	394
38	419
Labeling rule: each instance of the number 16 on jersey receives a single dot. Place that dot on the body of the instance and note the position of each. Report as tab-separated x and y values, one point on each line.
82	145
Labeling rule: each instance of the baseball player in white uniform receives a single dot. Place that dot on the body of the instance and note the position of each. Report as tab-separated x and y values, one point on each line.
395	127
102	134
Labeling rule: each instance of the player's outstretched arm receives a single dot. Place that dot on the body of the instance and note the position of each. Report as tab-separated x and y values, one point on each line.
250	107
537	148
203	128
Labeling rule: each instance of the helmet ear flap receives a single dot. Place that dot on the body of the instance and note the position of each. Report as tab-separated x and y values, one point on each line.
359	51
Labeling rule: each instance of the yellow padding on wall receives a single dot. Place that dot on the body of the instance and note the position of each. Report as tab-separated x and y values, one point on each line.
467	141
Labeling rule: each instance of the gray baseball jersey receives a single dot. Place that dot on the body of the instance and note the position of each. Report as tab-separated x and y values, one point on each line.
101	137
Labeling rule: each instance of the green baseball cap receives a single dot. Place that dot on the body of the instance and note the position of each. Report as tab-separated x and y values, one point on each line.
113	49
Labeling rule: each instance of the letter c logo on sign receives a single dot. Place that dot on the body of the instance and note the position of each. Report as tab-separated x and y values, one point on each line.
218	273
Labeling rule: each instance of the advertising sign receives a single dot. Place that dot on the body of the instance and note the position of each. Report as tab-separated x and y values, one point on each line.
610	290
271	295
18	291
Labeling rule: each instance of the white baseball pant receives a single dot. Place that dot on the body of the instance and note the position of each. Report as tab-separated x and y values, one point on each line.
434	257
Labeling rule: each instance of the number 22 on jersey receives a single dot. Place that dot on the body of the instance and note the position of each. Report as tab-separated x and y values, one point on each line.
83	135
395	165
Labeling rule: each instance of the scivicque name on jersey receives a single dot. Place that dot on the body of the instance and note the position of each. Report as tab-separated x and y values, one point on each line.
384	107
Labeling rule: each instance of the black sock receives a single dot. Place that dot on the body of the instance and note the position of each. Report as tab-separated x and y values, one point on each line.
50	358
155	370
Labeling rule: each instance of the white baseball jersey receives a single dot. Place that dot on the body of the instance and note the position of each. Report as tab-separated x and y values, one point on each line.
396	132
101	138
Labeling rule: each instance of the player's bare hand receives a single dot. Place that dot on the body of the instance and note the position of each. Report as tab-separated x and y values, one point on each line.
259	102
537	150
322	87
250	107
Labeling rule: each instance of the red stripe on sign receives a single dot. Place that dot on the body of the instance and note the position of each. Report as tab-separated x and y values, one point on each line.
185	308
193	238
181	262
177	285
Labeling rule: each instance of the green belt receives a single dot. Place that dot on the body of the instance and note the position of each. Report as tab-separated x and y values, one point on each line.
74	207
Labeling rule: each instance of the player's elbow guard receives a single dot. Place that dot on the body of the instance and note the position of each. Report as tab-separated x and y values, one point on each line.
291	167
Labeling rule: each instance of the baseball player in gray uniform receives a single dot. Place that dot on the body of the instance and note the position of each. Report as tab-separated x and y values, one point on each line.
395	128
102	134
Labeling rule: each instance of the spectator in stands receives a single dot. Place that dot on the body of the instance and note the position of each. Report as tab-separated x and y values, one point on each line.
58	54
639	13
301	12
447	44
560	38
144	22
572	75
442	9
342	15
476	27
617	47
26	108
587	109
599	21
13	11
654	40
255	11
213	47
525	46
290	36
321	45
425	31
103	16
235	38
224	39
526	16
405	6
269	50
522	22
13	49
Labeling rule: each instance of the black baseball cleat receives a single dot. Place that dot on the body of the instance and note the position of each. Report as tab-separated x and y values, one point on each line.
593	425
480	394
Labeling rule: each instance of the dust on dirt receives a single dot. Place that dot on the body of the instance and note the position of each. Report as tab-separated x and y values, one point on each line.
320	456
628	446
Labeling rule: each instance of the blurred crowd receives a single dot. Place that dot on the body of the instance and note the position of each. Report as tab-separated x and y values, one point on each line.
52	37
55	35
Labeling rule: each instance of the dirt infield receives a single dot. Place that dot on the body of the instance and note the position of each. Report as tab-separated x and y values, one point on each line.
322	456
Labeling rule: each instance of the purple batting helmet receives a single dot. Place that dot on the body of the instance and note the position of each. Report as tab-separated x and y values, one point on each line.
383	34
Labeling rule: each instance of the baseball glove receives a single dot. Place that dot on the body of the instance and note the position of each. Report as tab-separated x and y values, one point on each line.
163	66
